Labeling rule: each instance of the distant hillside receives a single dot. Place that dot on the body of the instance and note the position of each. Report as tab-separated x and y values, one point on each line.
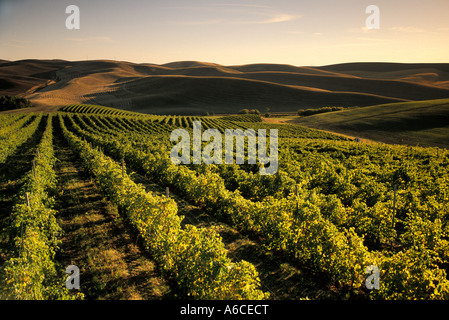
19	77
425	122
187	95
194	87
434	74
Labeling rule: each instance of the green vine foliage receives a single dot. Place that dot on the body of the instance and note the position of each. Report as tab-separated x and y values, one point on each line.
330	207
335	207
195	257
32	273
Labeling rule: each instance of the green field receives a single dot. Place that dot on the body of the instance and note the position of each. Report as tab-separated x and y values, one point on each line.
95	187
424	123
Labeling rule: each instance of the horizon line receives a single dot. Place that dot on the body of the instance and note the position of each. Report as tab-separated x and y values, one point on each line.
220	64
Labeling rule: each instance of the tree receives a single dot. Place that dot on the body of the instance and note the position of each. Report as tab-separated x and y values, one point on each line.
255	111
12	102
309	112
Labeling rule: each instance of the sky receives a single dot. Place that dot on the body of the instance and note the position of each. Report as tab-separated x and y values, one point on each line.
228	32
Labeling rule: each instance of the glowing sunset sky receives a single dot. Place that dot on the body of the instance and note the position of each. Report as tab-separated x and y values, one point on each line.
295	32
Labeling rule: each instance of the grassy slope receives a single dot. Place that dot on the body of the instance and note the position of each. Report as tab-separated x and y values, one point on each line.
198	87
425	123
18	77
434	74
187	95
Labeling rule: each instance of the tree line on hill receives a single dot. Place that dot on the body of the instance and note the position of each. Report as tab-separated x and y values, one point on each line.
12	102
301	113
255	111
249	111
309	112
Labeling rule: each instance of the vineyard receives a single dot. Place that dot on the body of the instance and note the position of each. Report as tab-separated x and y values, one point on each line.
334	208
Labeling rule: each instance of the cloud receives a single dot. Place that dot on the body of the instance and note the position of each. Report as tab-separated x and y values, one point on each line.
373	39
408	29
275	18
221	6
270	19
360	30
15	43
201	23
316	34
15	46
91	39
236	14
240	5
281	17
346	45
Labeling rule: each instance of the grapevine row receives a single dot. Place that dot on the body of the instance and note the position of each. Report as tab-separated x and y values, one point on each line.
275	221
255	187
369	211
9	119
17	137
296	226
32	272
195	257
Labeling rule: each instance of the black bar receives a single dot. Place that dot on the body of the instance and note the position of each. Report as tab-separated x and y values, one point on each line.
193	309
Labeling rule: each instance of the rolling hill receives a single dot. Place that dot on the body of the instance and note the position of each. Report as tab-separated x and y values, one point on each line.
424	123
193	87
434	74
